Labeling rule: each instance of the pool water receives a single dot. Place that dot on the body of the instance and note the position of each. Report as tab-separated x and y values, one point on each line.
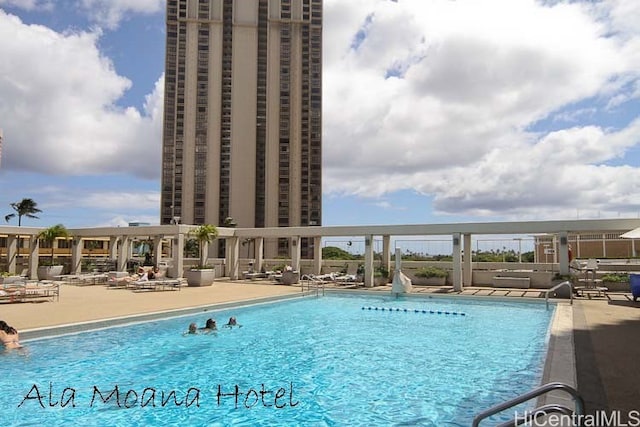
311	361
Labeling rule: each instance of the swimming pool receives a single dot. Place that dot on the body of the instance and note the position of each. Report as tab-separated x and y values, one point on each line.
311	361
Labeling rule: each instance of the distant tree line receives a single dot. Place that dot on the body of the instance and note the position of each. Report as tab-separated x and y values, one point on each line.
494	255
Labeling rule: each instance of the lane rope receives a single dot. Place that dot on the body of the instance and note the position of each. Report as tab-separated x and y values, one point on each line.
413	310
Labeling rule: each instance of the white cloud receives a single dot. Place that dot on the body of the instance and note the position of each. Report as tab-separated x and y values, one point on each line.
28	4
109	13
60	94
468	79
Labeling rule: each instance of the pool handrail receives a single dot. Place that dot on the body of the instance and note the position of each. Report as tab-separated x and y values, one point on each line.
309	281
555	288
544	389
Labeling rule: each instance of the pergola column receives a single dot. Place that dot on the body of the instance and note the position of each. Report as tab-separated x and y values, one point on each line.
295	253
386	252
259	253
457	263
368	260
233	257
123	253
113	247
157	249
317	255
563	256
76	255
466	261
34	257
12	253
177	253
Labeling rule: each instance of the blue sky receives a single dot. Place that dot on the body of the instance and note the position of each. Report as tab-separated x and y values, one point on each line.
434	111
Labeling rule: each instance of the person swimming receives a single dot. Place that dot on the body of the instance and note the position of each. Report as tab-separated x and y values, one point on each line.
9	336
232	322
210	326
193	329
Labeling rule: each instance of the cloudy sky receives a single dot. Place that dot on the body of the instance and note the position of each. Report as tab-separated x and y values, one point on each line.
434	110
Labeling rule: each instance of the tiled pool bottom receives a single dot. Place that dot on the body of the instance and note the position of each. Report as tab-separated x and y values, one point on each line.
313	361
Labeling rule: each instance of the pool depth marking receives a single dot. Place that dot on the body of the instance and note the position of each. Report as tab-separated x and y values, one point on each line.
415	310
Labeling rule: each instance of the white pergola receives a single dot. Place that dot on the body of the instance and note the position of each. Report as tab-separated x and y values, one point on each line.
460	233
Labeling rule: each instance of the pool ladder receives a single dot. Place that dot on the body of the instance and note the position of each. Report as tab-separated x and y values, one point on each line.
541	411
318	285
555	288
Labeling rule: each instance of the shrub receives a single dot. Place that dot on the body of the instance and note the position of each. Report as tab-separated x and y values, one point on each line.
616	277
427	272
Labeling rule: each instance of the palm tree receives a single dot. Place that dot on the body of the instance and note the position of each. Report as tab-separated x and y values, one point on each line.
26	207
50	234
204	234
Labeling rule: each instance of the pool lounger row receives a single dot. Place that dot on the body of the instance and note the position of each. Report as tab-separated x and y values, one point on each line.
30	292
156	285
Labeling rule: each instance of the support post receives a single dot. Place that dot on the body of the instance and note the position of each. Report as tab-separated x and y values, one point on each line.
457	263
466	261
34	257
386	252
157	249
563	256
12	253
123	253
259	253
232	246
177	253
113	247
317	255
76	255
368	261
295	253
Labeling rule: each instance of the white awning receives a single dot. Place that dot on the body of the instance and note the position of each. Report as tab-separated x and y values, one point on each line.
633	234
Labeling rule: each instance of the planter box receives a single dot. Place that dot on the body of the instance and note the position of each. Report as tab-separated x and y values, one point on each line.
511	282
200	277
290	277
616	286
49	272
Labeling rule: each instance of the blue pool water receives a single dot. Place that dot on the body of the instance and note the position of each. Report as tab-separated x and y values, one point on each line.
312	361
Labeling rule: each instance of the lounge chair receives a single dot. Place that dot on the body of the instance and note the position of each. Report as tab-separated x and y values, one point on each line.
589	282
29	291
318	279
350	277
163	284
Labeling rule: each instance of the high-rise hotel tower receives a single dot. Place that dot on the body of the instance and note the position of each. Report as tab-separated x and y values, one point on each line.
243	112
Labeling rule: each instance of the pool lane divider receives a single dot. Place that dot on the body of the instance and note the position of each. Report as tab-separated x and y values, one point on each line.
414	310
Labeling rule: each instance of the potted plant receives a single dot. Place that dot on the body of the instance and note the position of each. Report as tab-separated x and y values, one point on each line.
616	281
202	274
47	270
430	276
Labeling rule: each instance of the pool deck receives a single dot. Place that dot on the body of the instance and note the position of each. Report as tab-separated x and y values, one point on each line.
606	328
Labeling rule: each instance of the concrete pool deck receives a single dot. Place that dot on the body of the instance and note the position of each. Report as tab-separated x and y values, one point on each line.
606	329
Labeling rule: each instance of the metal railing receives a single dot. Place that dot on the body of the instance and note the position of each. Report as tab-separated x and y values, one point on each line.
538	412
555	288
310	282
